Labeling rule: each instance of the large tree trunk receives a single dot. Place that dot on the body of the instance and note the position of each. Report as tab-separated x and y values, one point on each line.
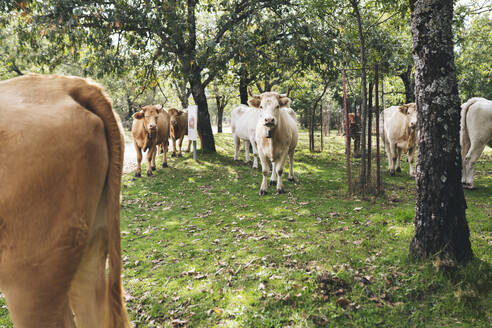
409	84
440	220
204	126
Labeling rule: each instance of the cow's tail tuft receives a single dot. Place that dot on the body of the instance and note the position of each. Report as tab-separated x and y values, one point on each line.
91	96
464	137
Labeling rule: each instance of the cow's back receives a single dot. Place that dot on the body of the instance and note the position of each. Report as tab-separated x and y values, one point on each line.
243	121
479	120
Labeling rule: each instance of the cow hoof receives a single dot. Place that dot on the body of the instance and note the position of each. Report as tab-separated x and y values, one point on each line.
164	165
391	173
153	168
138	175
149	173
398	169
173	154
468	186
180	155
273	183
291	179
280	191
262	192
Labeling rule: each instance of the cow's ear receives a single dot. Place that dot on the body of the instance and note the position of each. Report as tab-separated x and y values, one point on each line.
158	108
139	115
403	109
254	102
284	101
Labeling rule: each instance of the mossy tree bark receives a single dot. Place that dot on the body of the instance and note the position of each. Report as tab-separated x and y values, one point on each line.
441	228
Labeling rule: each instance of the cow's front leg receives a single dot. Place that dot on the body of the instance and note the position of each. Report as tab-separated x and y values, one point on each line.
411	160
154	154
173	154
150	153
279	167
273	178
265	167
138	172
391	159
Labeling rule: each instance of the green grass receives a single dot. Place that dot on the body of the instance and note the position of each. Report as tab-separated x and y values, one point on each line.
202	249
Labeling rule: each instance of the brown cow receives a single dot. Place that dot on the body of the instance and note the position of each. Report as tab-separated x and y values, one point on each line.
150	129
179	128
60	203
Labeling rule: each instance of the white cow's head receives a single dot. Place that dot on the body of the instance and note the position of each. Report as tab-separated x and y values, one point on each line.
149	114
269	104
410	110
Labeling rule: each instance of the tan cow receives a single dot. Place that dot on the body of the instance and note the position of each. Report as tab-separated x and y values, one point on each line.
476	133
276	137
179	128
398	131
60	204
150	129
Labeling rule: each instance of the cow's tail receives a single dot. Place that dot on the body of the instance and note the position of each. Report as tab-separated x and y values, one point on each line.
92	97
464	137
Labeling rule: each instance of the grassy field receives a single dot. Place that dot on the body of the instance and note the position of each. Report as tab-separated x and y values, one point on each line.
202	249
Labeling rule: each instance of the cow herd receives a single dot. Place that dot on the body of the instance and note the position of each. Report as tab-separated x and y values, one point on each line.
60	255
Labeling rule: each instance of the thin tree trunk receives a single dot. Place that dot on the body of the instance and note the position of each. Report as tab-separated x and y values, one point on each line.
369	132
441	228
243	86
364	95
322	125
220	112
409	84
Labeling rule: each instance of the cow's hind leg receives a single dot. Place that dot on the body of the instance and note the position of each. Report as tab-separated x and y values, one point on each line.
398	158
246	150
392	155
255	152
236	147
164	157
173	154
291	167
469	163
411	160
180	154
88	292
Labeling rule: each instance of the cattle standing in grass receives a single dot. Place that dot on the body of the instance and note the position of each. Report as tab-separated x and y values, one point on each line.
179	128
476	133
276	137
60	203
398	131
150	129
243	125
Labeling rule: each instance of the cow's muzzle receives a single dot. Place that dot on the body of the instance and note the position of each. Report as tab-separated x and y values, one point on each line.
269	122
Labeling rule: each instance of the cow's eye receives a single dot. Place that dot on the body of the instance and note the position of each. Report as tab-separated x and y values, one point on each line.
261	107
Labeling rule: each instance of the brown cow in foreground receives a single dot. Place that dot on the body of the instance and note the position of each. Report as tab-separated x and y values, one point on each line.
276	137
179	128
59	204
150	129
398	125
